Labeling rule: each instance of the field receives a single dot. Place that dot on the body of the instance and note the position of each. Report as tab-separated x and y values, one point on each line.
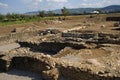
80	45
72	21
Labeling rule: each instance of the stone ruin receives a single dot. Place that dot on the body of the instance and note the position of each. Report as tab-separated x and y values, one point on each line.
113	19
43	54
92	37
116	21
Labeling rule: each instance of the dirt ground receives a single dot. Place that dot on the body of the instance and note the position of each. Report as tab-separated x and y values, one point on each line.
9	47
97	23
103	57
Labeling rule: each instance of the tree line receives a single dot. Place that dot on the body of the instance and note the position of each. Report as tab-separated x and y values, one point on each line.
14	17
20	17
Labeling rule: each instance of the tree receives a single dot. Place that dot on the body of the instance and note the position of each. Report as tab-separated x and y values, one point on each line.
1	17
42	13
50	13
65	12
8	17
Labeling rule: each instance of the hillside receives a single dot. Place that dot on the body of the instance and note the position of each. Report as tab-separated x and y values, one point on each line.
111	8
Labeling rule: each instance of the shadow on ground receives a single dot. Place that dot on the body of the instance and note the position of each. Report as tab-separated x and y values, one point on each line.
20	75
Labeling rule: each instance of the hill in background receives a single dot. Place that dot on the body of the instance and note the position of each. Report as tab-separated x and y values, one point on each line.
108	9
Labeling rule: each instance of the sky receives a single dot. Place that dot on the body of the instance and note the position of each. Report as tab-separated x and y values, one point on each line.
23	6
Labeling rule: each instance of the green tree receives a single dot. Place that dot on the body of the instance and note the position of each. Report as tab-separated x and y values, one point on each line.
50	13
42	14
65	12
1	17
8	17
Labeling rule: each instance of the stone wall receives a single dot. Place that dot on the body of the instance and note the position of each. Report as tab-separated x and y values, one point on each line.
93	37
113	19
79	35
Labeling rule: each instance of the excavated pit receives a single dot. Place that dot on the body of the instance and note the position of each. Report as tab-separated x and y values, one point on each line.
28	64
50	48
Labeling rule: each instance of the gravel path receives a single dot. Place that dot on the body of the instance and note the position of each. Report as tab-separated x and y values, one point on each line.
19	75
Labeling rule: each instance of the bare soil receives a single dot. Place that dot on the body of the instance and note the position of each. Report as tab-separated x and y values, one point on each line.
94	23
106	57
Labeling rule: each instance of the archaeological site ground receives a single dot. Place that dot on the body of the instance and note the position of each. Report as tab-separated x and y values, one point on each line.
85	47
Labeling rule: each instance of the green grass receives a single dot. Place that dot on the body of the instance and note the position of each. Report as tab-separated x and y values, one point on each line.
10	23
38	19
26	21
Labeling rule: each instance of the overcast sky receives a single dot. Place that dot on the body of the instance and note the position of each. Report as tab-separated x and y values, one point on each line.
22	6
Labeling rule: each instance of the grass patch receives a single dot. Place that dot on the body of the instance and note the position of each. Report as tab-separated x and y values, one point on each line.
26	21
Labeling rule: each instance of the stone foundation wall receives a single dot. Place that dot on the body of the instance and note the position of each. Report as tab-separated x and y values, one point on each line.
113	19
79	35
93	37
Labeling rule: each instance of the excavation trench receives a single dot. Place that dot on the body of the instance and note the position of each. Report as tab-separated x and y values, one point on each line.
50	48
36	65
41	63
27	63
